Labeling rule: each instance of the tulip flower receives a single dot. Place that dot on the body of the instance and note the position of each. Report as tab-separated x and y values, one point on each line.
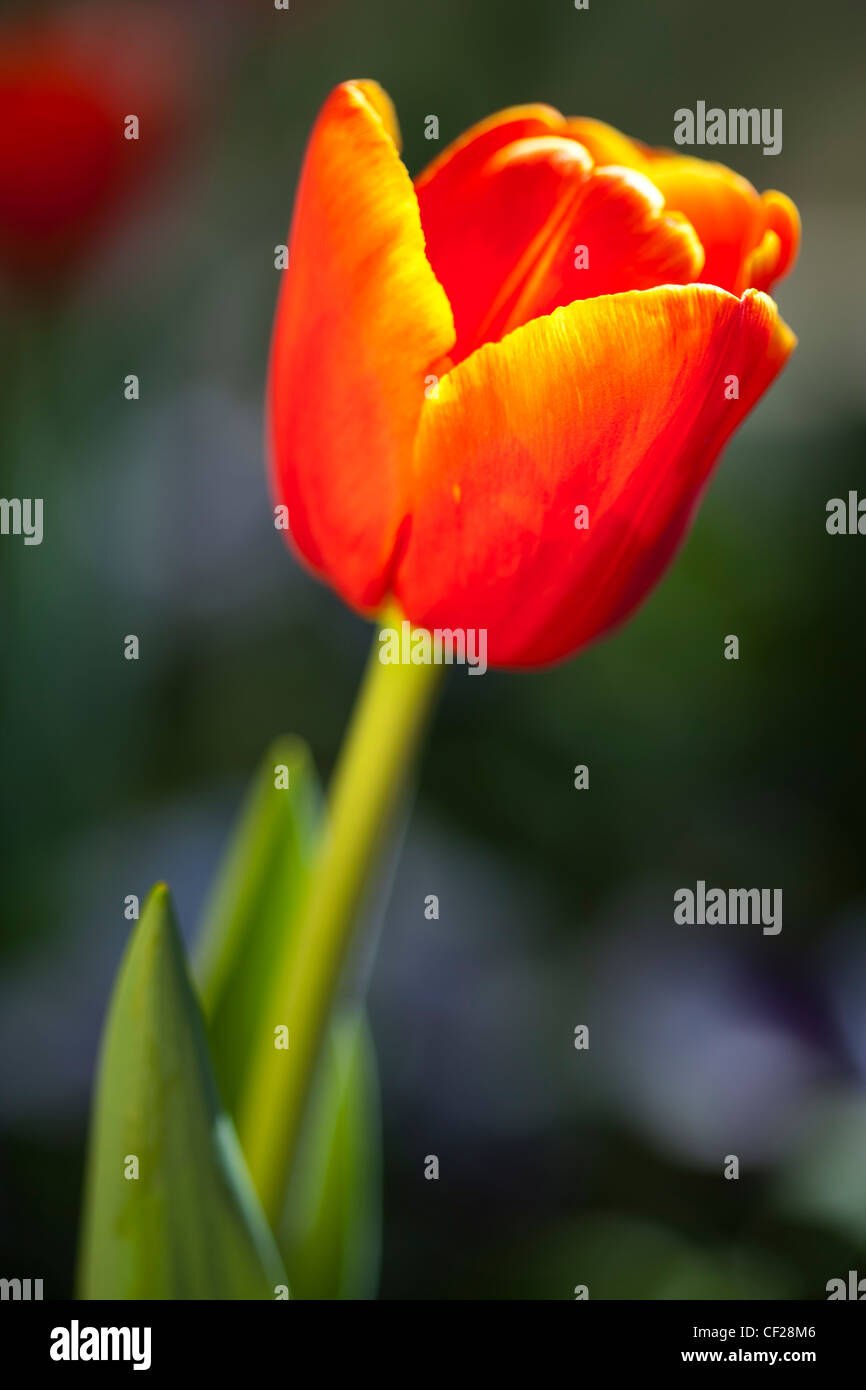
495	398
497	395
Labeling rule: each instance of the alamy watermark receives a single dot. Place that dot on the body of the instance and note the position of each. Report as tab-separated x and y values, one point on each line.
441	646
737	126
77	1343
22	516
854	1288
21	1290
732	907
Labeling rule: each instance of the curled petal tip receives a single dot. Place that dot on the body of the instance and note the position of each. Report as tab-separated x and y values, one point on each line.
380	103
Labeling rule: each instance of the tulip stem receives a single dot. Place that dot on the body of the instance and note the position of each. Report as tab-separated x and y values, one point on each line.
389	719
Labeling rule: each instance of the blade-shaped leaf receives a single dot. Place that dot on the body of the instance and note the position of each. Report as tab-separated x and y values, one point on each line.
331	1231
170	1211
331	1236
249	917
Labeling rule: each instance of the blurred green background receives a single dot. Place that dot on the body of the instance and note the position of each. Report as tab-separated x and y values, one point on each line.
558	1167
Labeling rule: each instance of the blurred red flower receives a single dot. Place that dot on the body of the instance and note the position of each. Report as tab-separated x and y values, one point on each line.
68	81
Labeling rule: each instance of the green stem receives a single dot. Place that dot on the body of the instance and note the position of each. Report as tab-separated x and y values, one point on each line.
387	724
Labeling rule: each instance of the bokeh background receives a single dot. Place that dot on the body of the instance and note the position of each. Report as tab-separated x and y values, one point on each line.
558	1167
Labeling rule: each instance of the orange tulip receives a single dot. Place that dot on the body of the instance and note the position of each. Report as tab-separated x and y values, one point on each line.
552	318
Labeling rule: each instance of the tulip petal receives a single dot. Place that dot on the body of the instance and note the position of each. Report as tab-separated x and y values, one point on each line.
777	250
724	209
728	214
540	227
361	321
607	145
455	169
618	404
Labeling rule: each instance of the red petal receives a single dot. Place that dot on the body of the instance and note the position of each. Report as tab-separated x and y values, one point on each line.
617	404
750	241
360	323
539	227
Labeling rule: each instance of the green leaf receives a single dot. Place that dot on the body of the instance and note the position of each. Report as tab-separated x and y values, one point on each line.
824	1179
331	1230
331	1236
189	1225
248	921
617	1255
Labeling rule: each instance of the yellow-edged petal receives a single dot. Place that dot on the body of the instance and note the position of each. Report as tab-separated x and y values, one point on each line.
360	323
620	405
